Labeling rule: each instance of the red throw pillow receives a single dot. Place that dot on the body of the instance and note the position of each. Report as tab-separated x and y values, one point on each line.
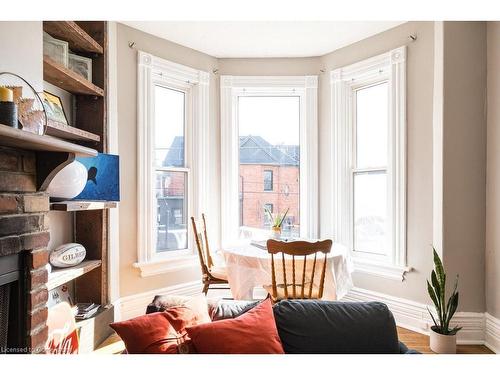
151	333
253	332
163	332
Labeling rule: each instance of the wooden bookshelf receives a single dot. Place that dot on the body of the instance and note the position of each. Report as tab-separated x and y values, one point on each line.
91	219
60	130
68	80
92	332
18	138
81	205
60	276
77	38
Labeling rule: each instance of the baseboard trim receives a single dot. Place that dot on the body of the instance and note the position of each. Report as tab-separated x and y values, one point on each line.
478	328
134	305
492	333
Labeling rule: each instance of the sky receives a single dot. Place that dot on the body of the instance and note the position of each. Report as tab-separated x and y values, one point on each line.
169	116
274	118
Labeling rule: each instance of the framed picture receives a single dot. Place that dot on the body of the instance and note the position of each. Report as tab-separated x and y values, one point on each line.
56	49
81	65
103	181
54	107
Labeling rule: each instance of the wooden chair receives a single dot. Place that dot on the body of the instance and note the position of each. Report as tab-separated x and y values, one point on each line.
211	275
300	287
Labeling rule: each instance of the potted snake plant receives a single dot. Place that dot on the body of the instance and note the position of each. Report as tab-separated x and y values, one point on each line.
443	339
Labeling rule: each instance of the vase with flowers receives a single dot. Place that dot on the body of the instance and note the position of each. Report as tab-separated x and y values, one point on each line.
276	221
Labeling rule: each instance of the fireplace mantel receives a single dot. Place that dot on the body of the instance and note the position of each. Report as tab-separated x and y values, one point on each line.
52	154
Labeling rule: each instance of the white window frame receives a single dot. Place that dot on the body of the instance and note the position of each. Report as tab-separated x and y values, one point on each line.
389	67
153	71
306	88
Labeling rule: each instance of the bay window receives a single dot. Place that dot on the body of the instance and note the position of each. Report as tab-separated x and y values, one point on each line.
172	157
269	155
369	162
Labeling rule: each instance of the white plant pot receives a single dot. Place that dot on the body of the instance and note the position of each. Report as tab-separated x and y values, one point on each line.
69	182
443	344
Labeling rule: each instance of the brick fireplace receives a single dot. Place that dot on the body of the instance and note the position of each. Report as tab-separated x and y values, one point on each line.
24	237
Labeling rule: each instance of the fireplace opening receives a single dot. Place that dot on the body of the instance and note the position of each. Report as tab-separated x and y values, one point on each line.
12	305
4	315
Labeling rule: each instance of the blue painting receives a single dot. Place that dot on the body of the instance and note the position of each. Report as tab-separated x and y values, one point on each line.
103	182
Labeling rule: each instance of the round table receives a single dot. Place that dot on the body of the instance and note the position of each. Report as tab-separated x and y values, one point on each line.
249	266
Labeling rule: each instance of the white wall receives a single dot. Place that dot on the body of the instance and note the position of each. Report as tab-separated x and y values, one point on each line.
493	173
22	49
464	159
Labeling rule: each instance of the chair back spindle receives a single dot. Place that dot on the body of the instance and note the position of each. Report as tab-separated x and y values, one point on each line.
308	288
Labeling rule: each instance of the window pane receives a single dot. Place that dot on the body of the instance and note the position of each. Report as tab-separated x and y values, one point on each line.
371	126
370	212
267	219
268	180
269	162
169	127
171	233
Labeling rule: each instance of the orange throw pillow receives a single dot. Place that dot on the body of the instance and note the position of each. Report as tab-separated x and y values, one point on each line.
254	332
148	334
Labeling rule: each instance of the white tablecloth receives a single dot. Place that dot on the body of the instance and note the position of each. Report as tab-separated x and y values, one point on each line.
249	266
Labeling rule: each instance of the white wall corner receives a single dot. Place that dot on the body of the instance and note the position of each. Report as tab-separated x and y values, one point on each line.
437	139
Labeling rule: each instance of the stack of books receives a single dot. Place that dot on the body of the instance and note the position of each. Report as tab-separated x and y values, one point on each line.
86	310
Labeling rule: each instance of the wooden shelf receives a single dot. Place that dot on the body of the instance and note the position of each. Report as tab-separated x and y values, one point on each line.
81	205
18	138
60	130
60	276
95	330
68	80
76	37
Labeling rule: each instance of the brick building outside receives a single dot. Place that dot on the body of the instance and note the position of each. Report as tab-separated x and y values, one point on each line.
268	177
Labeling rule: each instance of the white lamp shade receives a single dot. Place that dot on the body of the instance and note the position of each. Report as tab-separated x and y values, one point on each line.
69	182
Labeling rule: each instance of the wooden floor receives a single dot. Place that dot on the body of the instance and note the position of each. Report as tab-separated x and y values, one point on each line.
419	342
413	340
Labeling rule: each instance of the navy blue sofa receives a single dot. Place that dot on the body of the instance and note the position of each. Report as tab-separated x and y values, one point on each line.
321	327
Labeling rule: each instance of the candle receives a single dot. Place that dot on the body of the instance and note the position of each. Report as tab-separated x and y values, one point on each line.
8	109
6	95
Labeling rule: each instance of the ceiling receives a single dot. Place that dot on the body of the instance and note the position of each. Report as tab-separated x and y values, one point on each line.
263	39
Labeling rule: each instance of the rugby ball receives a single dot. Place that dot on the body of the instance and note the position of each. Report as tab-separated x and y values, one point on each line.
67	255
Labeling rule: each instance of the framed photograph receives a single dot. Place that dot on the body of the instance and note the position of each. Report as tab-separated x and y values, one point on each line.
56	49
81	65
54	107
